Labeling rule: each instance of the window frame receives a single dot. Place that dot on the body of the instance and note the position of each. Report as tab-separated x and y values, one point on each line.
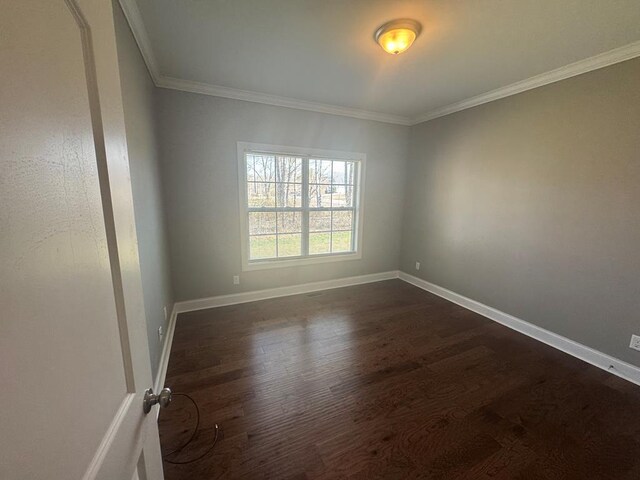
305	153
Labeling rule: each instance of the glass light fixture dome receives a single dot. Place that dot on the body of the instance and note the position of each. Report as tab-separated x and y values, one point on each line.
398	35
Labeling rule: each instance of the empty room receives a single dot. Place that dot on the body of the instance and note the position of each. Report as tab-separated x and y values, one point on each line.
320	239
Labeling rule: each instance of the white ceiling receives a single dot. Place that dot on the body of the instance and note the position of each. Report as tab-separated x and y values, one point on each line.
322	51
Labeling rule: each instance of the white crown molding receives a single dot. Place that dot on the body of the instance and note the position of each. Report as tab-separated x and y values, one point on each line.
276	100
136	24
132	14
587	354
602	60
134	18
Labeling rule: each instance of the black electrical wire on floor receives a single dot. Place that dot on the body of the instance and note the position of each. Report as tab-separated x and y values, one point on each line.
193	435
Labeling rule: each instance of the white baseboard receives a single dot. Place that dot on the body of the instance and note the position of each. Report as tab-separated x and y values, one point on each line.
161	375
594	357
235	298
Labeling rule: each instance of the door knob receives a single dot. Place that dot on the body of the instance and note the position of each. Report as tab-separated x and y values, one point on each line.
150	399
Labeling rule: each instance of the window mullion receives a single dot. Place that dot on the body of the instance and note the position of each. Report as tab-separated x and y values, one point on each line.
355	212
331	206
305	206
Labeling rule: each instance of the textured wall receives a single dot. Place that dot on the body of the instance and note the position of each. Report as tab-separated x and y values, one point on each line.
199	136
139	111
530	205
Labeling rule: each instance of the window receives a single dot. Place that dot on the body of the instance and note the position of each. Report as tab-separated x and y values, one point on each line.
301	206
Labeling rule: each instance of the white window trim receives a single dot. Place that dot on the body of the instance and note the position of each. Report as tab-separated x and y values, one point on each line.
247	265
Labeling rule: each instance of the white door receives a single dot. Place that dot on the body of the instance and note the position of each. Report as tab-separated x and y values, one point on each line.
74	360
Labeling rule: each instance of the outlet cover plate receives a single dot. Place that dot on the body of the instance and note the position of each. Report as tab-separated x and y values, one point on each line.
635	342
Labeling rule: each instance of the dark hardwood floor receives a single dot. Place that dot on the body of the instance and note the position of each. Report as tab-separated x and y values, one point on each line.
387	381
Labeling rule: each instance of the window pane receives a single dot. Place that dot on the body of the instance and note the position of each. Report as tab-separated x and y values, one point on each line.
289	245
319	243
260	223
251	168
261	194
289	169
289	222
342	220
288	195
263	168
319	196
342	196
341	242
339	173
263	246
319	221
320	171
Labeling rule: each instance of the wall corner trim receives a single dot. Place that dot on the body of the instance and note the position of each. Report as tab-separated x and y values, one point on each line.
601	360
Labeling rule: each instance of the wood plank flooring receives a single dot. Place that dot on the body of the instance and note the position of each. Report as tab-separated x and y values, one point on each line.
387	381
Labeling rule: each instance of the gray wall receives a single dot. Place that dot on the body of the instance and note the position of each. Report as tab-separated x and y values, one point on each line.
198	136
527	204
138	95
530	204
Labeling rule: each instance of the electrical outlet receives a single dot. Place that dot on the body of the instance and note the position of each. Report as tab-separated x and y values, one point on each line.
160	333
635	342
236	279
417	265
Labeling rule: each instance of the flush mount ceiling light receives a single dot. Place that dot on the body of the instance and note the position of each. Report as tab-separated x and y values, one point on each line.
397	36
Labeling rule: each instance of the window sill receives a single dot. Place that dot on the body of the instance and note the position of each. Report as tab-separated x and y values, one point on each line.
299	261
